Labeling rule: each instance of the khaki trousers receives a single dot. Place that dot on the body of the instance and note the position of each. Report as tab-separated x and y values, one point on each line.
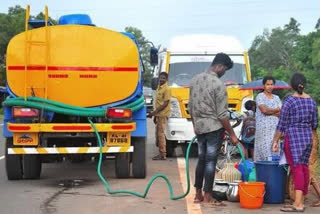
160	128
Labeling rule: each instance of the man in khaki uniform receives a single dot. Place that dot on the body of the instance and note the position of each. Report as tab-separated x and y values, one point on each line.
161	114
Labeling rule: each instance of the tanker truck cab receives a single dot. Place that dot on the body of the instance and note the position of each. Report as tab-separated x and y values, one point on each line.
181	67
69	83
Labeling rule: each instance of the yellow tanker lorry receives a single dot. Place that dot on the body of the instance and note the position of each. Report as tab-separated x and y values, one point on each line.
65	81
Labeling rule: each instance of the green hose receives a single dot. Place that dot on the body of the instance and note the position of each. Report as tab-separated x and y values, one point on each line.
110	191
52	103
49	105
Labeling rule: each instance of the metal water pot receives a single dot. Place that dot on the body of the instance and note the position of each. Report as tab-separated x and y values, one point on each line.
232	192
219	191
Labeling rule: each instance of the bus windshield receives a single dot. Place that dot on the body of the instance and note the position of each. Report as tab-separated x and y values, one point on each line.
181	71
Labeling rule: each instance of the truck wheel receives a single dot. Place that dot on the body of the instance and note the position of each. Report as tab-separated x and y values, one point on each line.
13	162
170	147
122	165
193	150
139	167
31	166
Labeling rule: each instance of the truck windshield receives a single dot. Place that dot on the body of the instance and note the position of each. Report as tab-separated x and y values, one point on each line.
182	71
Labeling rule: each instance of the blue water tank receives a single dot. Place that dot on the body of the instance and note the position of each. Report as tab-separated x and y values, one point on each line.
75	19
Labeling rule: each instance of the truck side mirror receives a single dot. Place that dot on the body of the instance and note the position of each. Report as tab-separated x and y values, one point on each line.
153	56
154	83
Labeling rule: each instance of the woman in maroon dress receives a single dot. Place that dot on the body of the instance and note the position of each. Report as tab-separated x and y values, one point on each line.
298	117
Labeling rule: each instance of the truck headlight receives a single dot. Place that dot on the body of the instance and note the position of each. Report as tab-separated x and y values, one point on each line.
175	110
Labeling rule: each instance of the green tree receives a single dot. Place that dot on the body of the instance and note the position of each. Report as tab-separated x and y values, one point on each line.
283	51
307	59
40	16
318	24
274	49
144	48
11	24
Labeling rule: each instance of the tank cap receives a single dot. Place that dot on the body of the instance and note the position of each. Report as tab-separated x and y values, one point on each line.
75	19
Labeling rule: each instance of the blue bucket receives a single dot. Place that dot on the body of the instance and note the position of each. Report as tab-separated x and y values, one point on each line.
275	177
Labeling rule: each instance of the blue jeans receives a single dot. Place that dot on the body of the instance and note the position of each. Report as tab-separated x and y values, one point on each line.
209	145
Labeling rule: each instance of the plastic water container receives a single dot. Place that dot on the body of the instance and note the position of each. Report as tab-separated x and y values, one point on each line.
275	177
274	157
250	166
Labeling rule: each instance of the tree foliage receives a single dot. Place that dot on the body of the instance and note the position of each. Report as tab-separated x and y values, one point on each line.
11	24
284	51
144	48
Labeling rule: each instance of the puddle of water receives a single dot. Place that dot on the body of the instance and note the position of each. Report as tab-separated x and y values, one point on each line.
47	207
70	183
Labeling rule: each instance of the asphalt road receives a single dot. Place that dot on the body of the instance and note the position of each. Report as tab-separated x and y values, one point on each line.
76	188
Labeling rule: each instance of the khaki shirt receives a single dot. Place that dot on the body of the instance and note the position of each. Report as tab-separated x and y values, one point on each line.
163	94
208	102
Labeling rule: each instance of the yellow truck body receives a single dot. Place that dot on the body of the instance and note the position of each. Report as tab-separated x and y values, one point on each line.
77	69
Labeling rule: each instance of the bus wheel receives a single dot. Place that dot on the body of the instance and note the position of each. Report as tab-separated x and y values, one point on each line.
13	162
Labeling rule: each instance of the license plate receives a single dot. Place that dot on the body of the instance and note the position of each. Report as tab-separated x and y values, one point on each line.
25	139
118	139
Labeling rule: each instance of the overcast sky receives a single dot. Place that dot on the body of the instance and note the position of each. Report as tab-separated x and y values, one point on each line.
161	20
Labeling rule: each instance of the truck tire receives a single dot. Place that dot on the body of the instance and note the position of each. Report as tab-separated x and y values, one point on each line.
170	147
122	165
13	162
139	166
31	166
193	150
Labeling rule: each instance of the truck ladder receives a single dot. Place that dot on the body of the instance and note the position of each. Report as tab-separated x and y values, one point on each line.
28	44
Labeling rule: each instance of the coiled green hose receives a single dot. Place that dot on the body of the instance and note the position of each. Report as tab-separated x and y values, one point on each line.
61	108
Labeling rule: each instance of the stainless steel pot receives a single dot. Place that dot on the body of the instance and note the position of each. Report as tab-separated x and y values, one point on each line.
232	192
219	190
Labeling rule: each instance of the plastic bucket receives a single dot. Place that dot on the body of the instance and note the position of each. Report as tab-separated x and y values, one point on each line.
251	194
275	177
249	164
